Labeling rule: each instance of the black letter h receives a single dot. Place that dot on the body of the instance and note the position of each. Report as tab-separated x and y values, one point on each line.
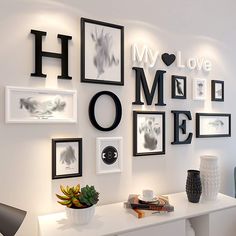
39	53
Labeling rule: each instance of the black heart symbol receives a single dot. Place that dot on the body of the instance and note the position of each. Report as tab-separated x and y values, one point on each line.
168	59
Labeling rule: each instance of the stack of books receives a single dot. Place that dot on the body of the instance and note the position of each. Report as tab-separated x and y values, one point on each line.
142	209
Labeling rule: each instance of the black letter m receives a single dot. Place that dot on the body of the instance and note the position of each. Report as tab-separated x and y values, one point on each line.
141	79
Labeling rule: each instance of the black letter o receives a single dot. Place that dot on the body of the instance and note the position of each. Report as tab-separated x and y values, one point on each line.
118	111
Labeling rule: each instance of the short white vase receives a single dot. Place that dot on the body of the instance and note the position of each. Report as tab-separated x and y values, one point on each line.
210	177
80	216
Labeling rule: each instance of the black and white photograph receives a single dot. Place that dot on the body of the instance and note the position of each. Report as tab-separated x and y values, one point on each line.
179	87
109	155
66	158
148	133
217	90
30	105
213	125
199	89
102	52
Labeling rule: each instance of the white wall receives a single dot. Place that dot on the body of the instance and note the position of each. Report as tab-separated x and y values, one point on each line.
197	28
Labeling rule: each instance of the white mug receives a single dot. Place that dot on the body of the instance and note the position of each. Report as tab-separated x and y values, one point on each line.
148	194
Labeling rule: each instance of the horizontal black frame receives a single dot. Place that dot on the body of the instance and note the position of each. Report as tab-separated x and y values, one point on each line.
54	145
173	94
198	124
213	90
135	115
88	80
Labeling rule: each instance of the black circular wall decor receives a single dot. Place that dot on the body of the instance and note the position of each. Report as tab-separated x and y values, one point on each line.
109	155
92	110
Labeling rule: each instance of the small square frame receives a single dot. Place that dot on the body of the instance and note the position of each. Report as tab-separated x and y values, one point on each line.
217	90
199	89
70	151
109	155
178	87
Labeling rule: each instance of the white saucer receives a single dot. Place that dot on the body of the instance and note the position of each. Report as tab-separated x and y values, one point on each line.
143	199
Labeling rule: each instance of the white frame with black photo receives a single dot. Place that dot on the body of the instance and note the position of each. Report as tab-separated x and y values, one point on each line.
182	87
148	130
196	92
209	125
102	52
216	86
113	163
33	105
66	158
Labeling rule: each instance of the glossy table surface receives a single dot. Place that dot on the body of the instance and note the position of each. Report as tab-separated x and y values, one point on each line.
114	219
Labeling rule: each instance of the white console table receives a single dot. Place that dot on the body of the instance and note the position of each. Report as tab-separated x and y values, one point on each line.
216	218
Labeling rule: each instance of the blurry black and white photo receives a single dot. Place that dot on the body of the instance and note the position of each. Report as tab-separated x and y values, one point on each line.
29	105
199	89
109	155
179	87
148	133
66	158
213	125
217	90
102	52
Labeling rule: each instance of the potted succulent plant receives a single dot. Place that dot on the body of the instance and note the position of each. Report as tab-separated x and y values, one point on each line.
80	203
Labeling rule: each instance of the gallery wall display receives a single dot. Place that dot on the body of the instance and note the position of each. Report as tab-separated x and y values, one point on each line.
31	105
148	133
199	89
217	90
66	158
178	87
102	52
109	155
213	125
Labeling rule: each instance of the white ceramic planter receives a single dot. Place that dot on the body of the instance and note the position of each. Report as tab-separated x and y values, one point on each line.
80	216
210	177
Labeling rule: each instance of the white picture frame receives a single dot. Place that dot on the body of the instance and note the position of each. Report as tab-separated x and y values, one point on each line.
199	89
33	105
109	155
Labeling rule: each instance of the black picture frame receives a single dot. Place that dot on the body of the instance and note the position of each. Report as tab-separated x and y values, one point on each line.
215	125
115	74
152	132
217	94
178	87
71	151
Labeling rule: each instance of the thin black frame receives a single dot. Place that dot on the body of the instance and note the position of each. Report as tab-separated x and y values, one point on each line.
135	115
173	94
213	90
198	124
121	28
54	146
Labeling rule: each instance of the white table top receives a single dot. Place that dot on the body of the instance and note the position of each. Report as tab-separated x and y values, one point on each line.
113	218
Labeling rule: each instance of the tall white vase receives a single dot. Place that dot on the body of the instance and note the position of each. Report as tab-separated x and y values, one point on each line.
210	177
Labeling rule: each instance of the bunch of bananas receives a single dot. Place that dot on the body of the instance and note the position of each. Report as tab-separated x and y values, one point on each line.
74	197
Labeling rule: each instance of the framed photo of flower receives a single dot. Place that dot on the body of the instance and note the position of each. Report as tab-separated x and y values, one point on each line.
179	87
199	89
209	125
66	158
217	90
148	133
33	105
102	52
